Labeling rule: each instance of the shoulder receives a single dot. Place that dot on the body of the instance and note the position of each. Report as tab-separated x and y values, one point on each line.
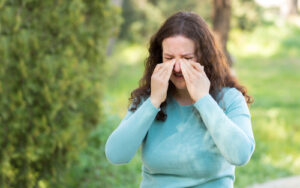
232	98
130	111
230	93
142	100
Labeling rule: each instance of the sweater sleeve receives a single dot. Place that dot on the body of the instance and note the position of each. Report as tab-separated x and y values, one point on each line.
231	130
125	140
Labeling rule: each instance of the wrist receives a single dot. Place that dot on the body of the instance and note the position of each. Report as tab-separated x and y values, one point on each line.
200	97
155	102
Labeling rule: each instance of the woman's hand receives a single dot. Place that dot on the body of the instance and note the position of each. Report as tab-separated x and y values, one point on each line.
195	78
160	82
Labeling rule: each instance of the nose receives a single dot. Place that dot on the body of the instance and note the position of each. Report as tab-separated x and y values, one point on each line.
177	67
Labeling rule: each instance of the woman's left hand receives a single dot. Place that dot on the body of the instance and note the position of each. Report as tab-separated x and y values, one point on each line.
197	82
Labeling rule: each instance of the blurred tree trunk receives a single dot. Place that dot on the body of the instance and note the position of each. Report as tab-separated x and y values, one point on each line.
221	24
289	8
293	6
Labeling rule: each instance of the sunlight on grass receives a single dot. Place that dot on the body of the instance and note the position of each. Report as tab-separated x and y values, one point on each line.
249	45
272	127
270	70
266	42
130	54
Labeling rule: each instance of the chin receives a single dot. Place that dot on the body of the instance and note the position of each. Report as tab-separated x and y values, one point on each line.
179	85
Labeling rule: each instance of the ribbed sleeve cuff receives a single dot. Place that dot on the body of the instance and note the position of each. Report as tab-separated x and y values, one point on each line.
203	101
150	104
206	104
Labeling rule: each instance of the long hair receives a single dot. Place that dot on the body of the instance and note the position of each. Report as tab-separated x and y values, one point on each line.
207	51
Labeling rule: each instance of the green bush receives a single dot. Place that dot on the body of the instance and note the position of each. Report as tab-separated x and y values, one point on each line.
51	58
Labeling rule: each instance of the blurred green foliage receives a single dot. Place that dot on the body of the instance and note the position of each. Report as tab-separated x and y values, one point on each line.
51	59
246	15
142	18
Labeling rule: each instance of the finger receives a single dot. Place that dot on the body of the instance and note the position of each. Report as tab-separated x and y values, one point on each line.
197	66
189	73
161	68
157	67
165	67
184	70
158	72
170	69
190	68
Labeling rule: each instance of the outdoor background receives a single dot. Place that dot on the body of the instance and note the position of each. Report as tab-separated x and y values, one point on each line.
67	69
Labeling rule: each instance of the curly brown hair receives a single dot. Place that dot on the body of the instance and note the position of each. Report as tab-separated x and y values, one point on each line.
207	51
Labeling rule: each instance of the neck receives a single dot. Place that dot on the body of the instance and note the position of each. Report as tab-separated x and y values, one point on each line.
183	94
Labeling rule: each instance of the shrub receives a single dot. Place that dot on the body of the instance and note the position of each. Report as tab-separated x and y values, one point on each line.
51	58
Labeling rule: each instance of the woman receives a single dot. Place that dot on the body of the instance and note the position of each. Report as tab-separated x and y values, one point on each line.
189	114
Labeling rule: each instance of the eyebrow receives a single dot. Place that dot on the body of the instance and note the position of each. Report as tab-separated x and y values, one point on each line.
182	54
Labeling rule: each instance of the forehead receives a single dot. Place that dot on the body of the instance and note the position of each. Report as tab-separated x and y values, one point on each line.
178	45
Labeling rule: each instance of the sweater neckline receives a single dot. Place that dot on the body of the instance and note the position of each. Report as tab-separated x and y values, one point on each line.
181	106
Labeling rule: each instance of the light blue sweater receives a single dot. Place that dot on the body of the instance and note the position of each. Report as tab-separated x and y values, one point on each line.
198	145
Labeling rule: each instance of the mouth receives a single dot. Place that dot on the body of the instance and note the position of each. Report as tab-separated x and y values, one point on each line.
178	75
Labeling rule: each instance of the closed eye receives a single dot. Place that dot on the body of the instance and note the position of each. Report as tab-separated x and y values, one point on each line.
188	58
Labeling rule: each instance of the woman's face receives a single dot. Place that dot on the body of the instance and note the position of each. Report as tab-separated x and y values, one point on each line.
178	47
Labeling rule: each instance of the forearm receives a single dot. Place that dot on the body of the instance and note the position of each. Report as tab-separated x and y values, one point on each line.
123	143
235	144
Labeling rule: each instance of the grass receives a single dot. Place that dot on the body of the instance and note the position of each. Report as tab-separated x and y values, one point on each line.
273	80
268	63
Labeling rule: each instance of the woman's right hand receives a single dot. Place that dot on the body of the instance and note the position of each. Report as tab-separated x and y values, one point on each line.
160	82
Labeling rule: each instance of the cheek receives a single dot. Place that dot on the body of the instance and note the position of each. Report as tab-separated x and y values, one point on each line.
197	60
165	59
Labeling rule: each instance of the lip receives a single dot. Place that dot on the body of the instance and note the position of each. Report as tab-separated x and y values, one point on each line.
178	77
177	73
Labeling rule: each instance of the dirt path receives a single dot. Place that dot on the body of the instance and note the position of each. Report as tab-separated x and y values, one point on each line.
290	182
